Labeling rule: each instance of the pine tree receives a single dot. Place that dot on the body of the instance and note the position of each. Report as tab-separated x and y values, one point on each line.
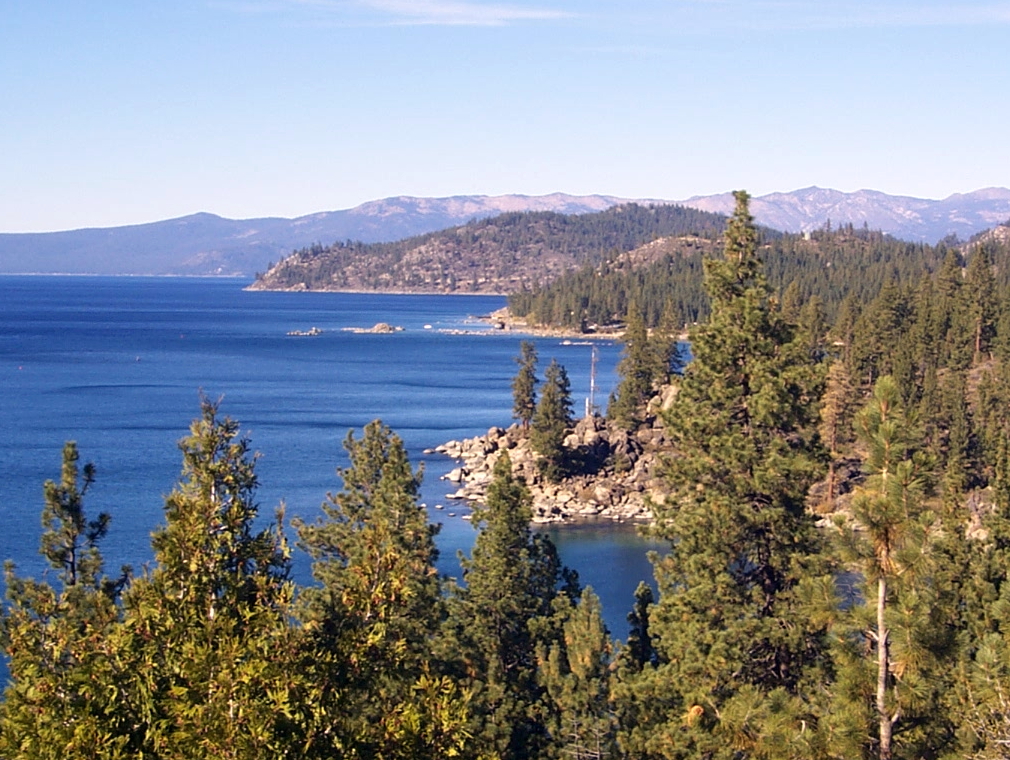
836	421
981	698
70	541
60	698
639	692
639	369
878	333
981	307
735	628
843	331
368	625
891	546
574	670
501	616
638	650
524	385
812	327
204	647
665	347
551	422
958	328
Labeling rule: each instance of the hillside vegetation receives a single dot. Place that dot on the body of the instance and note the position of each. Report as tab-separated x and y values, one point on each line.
666	276
503	254
832	508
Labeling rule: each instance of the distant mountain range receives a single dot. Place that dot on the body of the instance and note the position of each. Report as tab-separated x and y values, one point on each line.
916	219
205	244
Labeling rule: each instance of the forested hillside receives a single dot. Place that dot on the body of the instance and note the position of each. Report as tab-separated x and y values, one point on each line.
833	578
666	276
498	255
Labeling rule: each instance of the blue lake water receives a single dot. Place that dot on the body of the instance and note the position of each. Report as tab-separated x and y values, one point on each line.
117	364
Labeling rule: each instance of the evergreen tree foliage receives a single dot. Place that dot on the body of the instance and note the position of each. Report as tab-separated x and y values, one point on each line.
524	385
505	611
637	698
982	696
665	346
551	421
202	650
812	327
877	334
748	652
892	657
736	631
646	363
830	265
574	669
527	246
57	703
368	626
638	651
981	306
836	420
70	541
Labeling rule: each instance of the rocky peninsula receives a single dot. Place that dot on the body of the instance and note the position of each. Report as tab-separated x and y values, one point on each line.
616	476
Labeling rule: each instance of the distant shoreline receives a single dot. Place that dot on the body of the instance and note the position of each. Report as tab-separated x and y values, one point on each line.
127	274
512	325
366	291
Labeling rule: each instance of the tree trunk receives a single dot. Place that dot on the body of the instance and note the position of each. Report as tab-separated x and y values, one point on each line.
830	498
978	340
882	658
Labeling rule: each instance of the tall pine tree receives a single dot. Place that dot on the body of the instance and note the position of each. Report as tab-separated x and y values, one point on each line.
202	650
368	626
738	629
60	698
499	619
524	385
551	422
891	658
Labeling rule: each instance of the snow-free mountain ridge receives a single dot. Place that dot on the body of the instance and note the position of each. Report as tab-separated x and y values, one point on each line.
205	244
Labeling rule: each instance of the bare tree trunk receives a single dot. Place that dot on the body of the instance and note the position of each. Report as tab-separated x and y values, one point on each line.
829	500
882	658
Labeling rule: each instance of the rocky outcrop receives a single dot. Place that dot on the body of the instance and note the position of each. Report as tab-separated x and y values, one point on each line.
618	471
380	328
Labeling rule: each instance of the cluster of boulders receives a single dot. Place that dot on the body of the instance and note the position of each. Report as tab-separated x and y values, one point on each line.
614	474
380	328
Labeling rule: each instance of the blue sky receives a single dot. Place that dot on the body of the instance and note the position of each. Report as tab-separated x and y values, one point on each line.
119	113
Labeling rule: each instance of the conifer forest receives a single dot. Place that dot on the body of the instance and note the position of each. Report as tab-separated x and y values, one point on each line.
834	581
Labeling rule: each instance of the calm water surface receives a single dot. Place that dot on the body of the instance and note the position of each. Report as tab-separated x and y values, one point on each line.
117	364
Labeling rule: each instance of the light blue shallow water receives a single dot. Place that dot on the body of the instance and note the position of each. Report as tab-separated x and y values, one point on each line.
117	364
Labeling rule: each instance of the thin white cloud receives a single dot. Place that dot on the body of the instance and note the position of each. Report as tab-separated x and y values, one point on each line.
433	12
460	13
249	6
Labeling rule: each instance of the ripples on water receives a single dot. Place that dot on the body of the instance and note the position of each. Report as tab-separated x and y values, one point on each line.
117	364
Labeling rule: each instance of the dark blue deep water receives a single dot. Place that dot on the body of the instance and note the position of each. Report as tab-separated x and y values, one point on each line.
117	364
